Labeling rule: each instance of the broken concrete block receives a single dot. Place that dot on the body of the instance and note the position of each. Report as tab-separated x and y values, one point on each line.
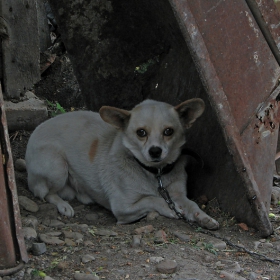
25	115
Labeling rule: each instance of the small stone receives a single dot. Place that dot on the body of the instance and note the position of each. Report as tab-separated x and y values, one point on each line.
88	243
167	267
92	217
152	216
47	211
208	258
48	278
28	204
267	245
235	267
29	233
69	242
84	276
38	249
145	229
20	165
219	265
29	94
252	276
87	258
136	240
30	221
221	245
73	235
54	233
105	232
182	236
230	276
49	239
28	271
156	259
63	265
160	237
79	208
56	223
256	244
78	227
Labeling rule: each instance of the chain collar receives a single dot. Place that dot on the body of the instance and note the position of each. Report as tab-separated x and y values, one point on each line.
165	194
165	170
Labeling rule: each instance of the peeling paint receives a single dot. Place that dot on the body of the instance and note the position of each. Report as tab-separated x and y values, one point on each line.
256	58
266	122
251	24
193	31
274	26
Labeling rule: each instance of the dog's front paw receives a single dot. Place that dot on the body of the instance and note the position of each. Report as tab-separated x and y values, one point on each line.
205	221
64	208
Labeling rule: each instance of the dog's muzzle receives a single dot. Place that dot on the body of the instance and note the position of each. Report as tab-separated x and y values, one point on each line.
155	153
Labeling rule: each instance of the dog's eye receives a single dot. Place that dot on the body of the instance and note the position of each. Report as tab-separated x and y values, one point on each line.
141	132
168	132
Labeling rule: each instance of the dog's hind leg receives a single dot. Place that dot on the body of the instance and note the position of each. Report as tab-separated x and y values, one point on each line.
63	207
47	178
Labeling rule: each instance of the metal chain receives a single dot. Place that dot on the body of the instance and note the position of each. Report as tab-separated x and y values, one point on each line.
164	193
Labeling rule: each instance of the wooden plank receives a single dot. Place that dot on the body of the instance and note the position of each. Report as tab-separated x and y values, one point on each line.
21	48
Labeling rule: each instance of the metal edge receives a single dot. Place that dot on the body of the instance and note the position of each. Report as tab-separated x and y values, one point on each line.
12	186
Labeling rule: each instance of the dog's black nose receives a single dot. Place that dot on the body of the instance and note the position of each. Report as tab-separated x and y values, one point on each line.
155	152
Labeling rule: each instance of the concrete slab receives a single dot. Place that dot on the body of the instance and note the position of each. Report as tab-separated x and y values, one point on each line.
25	115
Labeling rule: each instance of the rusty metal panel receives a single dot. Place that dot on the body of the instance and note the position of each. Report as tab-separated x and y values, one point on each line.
7	251
241	75
12	246
245	65
270	17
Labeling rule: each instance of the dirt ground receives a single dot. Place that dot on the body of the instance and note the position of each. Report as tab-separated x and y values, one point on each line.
91	246
131	252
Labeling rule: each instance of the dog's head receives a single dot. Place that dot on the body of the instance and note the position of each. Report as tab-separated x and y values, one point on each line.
154	131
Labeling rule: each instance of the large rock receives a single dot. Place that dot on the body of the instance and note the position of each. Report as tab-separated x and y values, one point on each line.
126	52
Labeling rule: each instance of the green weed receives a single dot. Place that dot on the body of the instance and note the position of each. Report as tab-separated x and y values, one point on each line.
55	108
209	247
141	69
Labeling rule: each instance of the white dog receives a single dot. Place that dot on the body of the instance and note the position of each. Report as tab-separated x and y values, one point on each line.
112	158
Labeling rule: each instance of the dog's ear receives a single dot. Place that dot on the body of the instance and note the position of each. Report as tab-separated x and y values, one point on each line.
114	116
190	110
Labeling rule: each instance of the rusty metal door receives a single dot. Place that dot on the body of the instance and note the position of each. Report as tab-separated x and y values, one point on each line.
238	65
12	246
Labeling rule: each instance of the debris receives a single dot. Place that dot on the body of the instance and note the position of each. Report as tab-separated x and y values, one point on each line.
243	226
145	229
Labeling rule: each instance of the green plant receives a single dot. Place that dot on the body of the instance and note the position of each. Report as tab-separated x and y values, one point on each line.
209	247
142	68
55	108
37	272
91	231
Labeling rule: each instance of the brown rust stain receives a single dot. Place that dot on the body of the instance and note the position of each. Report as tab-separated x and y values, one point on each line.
93	150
